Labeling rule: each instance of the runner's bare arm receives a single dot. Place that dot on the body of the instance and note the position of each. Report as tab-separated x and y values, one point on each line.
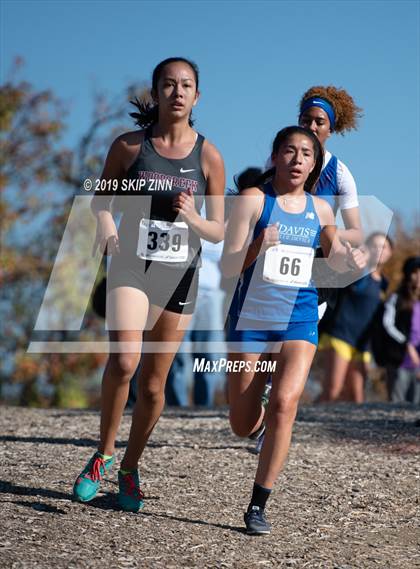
113	170
238	251
353	227
339	257
120	155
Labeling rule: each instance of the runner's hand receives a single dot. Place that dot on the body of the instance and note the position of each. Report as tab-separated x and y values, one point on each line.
106	235
356	258
184	204
269	237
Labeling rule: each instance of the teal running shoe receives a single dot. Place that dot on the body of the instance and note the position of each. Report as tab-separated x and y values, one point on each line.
266	395
130	497
89	480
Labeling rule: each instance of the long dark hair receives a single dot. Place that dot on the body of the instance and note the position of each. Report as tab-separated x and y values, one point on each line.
148	113
406	295
280	138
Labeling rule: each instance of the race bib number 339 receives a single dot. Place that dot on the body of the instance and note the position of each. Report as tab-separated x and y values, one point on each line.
163	241
288	265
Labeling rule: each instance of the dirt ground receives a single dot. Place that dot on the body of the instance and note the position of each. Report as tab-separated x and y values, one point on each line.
349	496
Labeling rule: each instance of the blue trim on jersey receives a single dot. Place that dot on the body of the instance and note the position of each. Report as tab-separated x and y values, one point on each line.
327	186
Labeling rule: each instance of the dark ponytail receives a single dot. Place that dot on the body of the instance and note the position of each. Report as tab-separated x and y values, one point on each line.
281	137
148	112
147	115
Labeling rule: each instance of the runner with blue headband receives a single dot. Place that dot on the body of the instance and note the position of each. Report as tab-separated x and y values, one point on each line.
324	111
327	110
322	104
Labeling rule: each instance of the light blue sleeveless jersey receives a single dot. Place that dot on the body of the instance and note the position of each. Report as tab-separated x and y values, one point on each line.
264	302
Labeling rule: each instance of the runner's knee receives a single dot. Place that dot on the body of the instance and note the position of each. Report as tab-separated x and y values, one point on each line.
152	388
123	366
283	407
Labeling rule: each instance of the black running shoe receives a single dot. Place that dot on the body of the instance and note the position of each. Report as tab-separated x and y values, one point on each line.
255	521
256	435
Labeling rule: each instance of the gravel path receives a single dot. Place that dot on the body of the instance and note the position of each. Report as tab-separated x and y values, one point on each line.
349	496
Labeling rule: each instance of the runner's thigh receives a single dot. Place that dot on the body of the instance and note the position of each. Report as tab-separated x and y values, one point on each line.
126	309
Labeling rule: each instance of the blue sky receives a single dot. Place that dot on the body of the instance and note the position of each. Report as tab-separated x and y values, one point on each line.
256	59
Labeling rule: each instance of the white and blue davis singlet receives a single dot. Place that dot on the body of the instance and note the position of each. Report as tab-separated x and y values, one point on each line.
277	290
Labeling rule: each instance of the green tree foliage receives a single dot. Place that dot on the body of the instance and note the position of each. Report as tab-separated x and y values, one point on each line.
39	178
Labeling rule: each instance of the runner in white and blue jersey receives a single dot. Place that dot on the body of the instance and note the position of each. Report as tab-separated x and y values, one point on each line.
270	240
328	110
261	304
325	111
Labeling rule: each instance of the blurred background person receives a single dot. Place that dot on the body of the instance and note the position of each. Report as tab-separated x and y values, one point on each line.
396	337
346	329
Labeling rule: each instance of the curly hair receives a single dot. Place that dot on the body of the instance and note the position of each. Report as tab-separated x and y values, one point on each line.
347	113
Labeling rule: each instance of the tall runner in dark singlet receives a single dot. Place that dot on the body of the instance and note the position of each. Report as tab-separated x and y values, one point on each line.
164	173
271	237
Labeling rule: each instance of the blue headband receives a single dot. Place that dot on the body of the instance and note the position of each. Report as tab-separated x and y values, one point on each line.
322	104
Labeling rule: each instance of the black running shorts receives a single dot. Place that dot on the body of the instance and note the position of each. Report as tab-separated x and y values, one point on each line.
170	288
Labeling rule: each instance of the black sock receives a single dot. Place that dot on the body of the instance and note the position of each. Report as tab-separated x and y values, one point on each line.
260	496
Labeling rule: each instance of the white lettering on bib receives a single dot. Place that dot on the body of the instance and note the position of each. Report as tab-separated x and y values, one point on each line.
288	265
163	241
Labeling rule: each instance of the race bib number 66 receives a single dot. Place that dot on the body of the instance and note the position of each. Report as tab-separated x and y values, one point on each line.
163	241
288	265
